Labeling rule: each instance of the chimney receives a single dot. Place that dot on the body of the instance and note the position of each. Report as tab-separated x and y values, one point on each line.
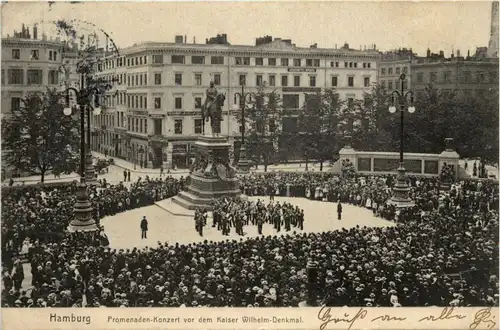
458	52
428	52
28	33
44	36
23	32
107	42
194	40
178	39
468	53
441	53
185	39
35	32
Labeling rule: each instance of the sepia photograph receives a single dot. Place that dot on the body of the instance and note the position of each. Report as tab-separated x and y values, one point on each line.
339	155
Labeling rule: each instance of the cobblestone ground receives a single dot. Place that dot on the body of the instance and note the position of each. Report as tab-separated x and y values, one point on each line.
123	229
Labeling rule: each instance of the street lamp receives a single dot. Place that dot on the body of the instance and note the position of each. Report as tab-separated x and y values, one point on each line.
83	208
400	197
243	163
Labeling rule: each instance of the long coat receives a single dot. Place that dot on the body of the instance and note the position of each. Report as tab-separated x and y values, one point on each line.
144	224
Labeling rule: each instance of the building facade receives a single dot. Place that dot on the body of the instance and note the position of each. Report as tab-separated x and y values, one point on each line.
390	67
467	76
154	117
494	35
29	65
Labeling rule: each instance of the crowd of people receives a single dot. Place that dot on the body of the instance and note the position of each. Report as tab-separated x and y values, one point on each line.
43	213
442	252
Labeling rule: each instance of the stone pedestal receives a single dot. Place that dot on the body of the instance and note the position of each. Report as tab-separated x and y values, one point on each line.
211	175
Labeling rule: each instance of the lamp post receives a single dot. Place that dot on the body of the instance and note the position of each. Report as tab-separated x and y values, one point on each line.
400	197
312	285
243	163
83	208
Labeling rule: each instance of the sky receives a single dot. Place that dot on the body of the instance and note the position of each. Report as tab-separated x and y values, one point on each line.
390	25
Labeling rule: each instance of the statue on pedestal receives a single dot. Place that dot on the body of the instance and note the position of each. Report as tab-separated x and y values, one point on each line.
212	109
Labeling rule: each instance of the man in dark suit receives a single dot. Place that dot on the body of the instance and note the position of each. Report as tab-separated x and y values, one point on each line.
144	227
339	210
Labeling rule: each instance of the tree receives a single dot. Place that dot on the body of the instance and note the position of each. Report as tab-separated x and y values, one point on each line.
263	114
317	124
40	138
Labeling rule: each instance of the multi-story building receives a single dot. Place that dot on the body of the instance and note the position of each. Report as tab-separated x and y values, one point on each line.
471	75
29	65
155	116
494	35
390	66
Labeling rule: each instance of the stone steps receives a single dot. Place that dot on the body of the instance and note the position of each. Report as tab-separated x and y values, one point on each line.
174	208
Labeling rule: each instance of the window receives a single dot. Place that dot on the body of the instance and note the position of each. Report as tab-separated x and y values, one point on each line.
350	64
128	60
197	79
420	77
145	79
16	76
335	81
238	61
137	80
246	60
178	79
398	70
346	64
284	81
259	61
296	62
243	80
15	104
34	77
53	77
35	54
284	62
140	60
433	77
140	79
136	61
382	71
16	54
197	102
157	102
350	81
355	64
258	80
405	69
382	84
271	61
157	78
217	79
291	101
157	59
50	55
296	81
145	102
272	80
312	81
389	84
3	76
178	59
178	126
197	59
467	76
480	77
389	71
447	76
217	60
178	102
367	81
312	62
198	126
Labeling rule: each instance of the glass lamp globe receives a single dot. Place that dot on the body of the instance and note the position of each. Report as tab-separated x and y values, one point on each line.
392	109
411	109
67	111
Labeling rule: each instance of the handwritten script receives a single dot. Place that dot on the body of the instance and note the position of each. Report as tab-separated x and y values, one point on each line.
482	319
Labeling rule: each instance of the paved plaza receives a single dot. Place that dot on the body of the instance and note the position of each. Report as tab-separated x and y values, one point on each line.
124	232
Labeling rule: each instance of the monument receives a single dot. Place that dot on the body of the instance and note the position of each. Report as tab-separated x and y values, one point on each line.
211	174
